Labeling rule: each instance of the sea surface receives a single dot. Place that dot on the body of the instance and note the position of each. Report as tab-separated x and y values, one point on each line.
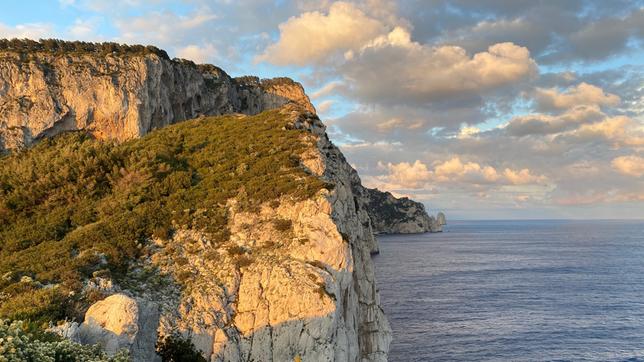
516	291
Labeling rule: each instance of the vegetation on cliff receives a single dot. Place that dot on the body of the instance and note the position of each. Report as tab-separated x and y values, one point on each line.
72	207
16	344
57	46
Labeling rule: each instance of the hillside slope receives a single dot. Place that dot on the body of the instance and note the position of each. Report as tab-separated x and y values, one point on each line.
239	233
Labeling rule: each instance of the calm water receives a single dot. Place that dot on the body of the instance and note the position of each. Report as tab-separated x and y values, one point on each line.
516	291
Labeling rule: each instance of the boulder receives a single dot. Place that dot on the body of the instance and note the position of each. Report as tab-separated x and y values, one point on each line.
121	322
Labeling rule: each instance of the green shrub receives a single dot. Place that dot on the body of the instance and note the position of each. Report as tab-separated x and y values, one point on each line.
175	348
236	250
72	205
18	345
58	46
283	225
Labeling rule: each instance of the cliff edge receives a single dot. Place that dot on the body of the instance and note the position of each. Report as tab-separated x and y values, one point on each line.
118	94
243	231
391	215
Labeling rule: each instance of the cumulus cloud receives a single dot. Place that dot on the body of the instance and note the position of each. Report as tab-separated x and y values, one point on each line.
418	175
583	94
315	36
407	175
543	124
618	130
395	69
454	169
522	177
30	30
198	54
629	165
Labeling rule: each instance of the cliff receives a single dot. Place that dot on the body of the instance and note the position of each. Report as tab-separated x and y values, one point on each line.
120	96
247	235
391	215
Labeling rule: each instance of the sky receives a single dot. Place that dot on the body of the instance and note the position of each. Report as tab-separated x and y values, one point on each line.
483	109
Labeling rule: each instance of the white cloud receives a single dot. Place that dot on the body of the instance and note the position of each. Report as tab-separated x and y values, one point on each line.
582	94
396	70
408	175
629	165
467	132
326	89
522	177
543	124
620	131
418	175
469	172
30	30
164	27
324	106
198	54
315	36
85	29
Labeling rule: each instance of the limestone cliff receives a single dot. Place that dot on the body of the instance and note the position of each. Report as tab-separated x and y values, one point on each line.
290	278
391	215
116	96
294	279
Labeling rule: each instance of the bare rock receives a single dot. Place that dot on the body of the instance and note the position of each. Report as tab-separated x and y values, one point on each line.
119	322
119	97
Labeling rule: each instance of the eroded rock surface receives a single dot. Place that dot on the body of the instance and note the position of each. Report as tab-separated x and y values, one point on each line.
391	215
305	286
121	97
121	322
294	280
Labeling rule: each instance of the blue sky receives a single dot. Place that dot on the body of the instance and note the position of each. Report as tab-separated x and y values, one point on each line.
485	109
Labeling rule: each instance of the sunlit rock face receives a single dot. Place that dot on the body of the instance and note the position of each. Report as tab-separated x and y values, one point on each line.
311	292
121	322
294	280
121	97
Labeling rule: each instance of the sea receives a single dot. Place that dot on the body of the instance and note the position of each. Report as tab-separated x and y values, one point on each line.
547	290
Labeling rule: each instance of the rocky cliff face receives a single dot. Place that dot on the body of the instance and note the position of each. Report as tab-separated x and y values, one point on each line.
311	295
293	280
121	97
391	215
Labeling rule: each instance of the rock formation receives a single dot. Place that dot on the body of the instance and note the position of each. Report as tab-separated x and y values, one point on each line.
293	280
391	215
309	291
121	97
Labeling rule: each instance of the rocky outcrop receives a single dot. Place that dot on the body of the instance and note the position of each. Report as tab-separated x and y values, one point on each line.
309	291
391	215
120	97
294	280
121	322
